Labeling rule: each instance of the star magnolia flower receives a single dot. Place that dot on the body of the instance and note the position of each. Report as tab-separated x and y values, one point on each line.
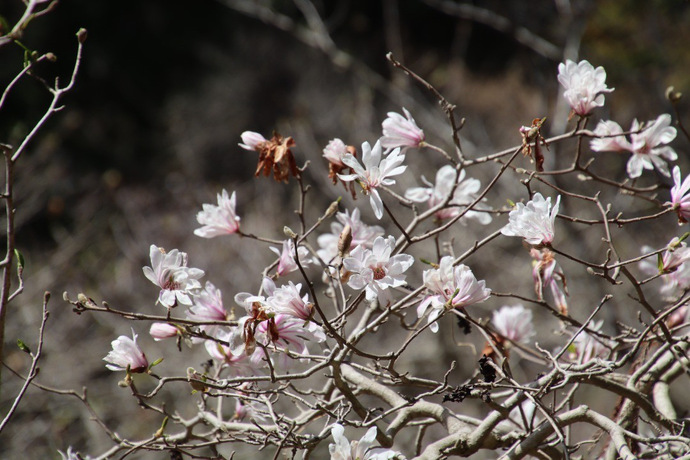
375	173
464	194
251	140
287	300
126	353
343	449
170	273
583	85
534	221
587	346
514	323
399	131
286	263
208	306
218	220
285	333
680	200
646	144
238	364
376	270
335	151
453	287
362	235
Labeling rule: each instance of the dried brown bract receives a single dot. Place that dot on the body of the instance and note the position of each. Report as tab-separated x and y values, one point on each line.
275	156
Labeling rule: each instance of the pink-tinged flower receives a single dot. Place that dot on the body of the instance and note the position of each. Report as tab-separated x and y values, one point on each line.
611	138
343	449
126	353
169	271
547	273
286	263
161	331
218	220
375	173
238	364
588	346
680	200
285	333
534	221
287	300
514	323
399	131
334	152
673	267
376	270
208	306
362	235
583	85
252	141
646	144
451	287
464	194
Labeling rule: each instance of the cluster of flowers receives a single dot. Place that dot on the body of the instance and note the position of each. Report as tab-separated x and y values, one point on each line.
279	322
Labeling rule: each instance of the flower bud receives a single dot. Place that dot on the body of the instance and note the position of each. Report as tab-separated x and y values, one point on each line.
81	35
344	241
160	331
673	95
289	233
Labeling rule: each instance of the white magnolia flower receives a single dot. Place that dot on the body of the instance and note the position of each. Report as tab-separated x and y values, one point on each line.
208	306
169	271
218	220
376	270
583	85
399	131
251	140
126	353
285	333
335	151
464	194
646	144
362	235
286	261
534	221
451	287
587	346
287	299
514	323
343	449
611	138
238	364
375	172
680	199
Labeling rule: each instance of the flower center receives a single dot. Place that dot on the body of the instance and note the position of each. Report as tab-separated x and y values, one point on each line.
171	285
378	273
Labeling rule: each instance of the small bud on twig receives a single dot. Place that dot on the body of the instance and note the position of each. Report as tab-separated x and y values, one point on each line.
344	241
82	35
673	95
289	233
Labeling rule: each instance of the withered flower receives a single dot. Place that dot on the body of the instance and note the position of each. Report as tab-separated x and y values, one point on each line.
274	155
